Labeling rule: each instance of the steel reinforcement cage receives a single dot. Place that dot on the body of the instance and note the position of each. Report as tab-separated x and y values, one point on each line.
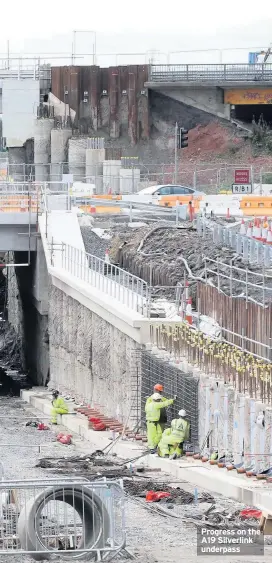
175	382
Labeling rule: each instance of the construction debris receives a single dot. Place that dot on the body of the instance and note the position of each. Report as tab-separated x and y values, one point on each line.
163	255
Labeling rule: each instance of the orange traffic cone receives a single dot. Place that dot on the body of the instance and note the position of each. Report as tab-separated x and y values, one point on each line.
107	258
188	313
269	237
258	230
249	230
92	209
228	213
243	228
265	230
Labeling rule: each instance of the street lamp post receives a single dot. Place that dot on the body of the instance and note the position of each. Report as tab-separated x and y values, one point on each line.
94	43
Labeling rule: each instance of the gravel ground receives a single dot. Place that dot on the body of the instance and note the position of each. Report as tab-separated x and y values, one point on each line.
151	537
94	244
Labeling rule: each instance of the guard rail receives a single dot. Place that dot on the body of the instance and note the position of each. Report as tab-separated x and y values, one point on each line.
211	72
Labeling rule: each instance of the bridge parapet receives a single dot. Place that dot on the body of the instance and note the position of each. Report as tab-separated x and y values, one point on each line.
211	73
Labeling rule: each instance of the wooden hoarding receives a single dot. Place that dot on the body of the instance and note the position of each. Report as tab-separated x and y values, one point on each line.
248	96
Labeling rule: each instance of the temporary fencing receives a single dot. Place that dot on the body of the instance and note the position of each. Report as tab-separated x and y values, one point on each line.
211	179
84	520
253	249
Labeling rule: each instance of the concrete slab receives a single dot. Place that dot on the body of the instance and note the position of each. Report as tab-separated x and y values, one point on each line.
238	487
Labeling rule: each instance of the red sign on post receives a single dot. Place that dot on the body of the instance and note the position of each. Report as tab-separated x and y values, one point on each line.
241	177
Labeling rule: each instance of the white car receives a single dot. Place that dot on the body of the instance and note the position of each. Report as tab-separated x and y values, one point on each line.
169	189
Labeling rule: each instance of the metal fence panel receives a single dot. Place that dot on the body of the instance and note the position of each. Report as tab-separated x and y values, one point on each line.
210	72
44	517
176	382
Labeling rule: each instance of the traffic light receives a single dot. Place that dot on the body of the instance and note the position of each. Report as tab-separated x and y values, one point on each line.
182	138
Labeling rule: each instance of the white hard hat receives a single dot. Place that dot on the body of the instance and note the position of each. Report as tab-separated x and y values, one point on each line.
182	412
156	397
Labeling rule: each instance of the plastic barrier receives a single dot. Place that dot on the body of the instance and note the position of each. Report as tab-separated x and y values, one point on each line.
100	209
256	205
171	200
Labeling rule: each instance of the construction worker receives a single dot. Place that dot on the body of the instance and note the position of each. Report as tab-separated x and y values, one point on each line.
158	388
153	408
172	439
58	407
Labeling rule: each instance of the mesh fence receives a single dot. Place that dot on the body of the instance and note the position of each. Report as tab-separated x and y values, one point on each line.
176	382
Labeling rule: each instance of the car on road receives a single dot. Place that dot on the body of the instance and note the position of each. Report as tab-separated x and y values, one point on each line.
170	189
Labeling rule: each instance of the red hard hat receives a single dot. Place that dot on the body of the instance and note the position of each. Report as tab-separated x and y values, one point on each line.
158	387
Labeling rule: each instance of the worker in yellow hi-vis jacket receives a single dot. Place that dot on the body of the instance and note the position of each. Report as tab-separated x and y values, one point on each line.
172	439
58	407
153	412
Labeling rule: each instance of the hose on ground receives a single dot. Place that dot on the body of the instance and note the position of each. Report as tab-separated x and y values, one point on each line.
85	503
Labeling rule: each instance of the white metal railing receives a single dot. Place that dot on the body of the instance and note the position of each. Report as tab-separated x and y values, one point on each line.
116	283
239	279
211	72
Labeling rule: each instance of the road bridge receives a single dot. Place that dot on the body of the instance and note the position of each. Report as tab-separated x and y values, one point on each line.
214	88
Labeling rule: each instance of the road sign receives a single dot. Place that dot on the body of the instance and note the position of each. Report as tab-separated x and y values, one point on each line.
241	188
242	176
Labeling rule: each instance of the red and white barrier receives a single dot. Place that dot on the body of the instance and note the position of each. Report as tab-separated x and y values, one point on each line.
243	228
249	230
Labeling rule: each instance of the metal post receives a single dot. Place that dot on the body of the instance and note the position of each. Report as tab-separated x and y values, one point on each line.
194	180
177	213
130	212
261	182
74	49
8	52
133	178
252	176
231	278
263	272
176	154
246	287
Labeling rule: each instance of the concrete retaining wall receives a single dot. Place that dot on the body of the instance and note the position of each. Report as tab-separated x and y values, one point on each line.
30	326
230	416
210	100
90	358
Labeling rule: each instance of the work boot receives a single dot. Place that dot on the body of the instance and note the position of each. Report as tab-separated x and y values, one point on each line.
153	451
173	456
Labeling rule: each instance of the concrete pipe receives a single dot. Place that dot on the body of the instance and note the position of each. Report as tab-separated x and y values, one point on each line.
95	523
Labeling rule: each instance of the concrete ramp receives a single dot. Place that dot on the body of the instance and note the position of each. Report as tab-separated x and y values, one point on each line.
61	227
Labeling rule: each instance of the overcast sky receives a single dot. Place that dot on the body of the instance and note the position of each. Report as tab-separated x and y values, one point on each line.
122	27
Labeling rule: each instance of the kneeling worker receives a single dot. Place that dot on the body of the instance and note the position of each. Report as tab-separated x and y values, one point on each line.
153	413
58	407
173	438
